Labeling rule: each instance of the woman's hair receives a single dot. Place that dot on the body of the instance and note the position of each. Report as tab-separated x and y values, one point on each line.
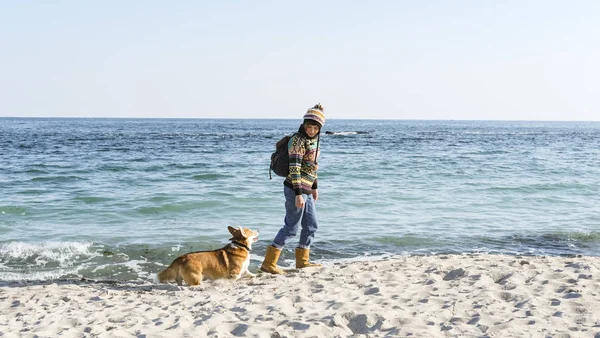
308	122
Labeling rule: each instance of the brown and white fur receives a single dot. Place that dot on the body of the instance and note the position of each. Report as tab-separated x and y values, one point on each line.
231	261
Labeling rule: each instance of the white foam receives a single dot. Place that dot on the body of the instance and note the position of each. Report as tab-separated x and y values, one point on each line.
134	266
36	275
345	133
64	253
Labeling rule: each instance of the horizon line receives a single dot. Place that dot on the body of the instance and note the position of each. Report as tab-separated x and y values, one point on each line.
277	118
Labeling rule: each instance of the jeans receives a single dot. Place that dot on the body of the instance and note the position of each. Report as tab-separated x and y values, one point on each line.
294	217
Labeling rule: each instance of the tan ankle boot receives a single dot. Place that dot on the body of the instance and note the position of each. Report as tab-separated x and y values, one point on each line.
302	255
270	263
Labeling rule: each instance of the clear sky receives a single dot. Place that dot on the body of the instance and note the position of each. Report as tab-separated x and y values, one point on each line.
471	59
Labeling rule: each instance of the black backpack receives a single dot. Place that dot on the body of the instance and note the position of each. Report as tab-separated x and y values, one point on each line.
280	158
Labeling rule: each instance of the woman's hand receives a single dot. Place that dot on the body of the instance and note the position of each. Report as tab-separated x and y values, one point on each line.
315	194
299	201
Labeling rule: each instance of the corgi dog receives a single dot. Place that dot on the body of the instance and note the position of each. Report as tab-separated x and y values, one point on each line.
231	261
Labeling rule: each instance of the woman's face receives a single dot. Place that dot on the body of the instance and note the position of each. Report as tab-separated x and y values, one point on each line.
311	129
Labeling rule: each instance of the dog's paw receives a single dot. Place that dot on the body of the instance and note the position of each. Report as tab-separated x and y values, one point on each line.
248	274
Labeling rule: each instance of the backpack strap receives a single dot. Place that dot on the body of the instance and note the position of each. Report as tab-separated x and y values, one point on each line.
317	153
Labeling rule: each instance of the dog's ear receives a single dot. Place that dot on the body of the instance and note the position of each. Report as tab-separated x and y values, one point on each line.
243	232
232	230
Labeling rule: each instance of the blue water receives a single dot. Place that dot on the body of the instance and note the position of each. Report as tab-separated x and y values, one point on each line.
120	198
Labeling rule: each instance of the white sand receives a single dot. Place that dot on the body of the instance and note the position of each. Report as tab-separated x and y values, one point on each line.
432	296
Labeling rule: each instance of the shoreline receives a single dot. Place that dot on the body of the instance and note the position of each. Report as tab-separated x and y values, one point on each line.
419	296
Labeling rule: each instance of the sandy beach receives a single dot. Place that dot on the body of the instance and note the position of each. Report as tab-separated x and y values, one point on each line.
416	296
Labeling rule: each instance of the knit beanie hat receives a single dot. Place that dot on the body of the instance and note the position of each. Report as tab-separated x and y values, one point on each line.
316	114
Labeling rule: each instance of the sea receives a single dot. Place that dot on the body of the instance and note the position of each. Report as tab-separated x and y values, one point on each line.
117	199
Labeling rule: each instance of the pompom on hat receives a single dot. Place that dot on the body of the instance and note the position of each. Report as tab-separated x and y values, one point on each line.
316	114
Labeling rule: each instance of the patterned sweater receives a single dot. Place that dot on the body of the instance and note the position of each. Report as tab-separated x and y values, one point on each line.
303	169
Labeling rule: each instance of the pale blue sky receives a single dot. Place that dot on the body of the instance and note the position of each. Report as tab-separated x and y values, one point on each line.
479	60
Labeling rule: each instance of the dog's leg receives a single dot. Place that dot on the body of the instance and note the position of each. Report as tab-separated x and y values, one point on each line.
192	278
235	276
245	271
235	273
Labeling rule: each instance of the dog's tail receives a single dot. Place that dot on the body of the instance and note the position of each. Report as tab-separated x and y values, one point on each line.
171	273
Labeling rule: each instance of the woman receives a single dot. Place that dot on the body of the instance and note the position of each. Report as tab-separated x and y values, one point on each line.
300	191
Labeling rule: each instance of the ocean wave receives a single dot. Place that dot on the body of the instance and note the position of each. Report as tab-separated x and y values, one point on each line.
92	199
542	187
58	178
209	177
12	210
346	133
35	275
62	254
553	243
176	208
